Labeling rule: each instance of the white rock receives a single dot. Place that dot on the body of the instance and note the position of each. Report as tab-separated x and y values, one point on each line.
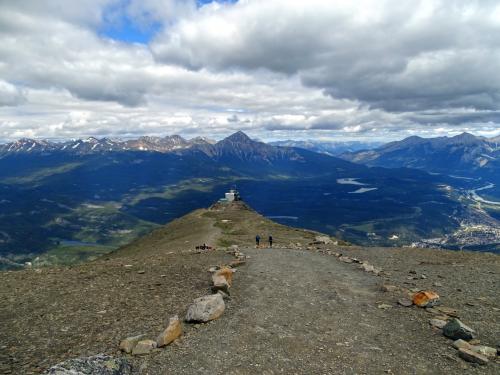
438	323
206	308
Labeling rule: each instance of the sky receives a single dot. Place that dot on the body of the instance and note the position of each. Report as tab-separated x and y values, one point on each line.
276	69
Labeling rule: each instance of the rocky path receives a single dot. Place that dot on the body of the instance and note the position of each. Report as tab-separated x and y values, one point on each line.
298	312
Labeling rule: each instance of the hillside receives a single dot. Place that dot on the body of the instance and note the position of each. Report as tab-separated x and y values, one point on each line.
293	308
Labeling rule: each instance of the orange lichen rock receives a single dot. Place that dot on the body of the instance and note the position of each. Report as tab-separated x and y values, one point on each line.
227	273
425	298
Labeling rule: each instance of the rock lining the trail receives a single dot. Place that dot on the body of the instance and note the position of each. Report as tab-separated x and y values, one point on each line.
100	364
144	347
471	356
128	344
171	333
205	309
455	330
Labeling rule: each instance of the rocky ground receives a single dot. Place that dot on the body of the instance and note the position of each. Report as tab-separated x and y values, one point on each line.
296	310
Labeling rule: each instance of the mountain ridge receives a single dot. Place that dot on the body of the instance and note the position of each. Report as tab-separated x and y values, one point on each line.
463	153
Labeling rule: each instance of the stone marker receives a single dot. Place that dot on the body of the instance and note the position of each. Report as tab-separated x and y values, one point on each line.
220	283
484	350
425	298
144	347
172	332
471	356
128	344
206	308
227	273
448	311
461	344
101	364
455	330
438	323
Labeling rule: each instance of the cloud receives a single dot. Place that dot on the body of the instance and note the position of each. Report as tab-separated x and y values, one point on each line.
367	69
10	95
391	54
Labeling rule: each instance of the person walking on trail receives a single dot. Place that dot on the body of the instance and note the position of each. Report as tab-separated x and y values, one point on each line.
270	241
257	240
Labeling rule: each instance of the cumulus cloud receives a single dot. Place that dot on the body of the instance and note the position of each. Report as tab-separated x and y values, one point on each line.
393	54
366	69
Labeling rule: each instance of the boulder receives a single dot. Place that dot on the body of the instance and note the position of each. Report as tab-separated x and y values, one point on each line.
473	357
128	344
206	308
100	364
425	298
172	332
455	330
144	347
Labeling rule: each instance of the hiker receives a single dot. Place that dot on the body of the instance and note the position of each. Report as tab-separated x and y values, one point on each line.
270	241
257	240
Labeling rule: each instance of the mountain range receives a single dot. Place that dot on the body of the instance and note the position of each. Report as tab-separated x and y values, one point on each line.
95	145
87	197
464	154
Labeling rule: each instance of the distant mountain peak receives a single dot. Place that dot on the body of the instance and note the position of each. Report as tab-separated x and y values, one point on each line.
465	138
238	137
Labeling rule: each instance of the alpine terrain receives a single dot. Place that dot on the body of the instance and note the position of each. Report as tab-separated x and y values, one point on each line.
307	305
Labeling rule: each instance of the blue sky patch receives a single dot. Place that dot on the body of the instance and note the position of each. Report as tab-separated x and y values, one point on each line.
130	33
119	26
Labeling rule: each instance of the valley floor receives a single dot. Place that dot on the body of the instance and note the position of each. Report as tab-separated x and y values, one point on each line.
292	311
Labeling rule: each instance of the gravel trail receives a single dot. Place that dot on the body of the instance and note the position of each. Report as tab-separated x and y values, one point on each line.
300	312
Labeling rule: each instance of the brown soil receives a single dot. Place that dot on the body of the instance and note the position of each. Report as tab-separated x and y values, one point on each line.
291	311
